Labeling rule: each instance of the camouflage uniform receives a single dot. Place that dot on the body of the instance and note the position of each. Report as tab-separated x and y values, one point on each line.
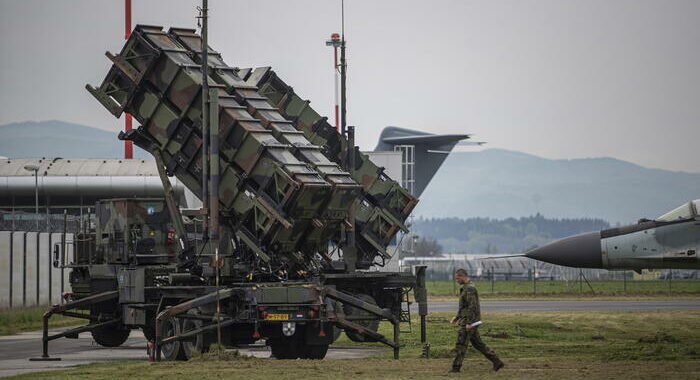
470	312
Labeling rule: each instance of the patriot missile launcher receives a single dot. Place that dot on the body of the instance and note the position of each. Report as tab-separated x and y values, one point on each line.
290	204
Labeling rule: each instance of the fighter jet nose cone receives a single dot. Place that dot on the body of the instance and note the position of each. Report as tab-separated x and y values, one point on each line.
579	251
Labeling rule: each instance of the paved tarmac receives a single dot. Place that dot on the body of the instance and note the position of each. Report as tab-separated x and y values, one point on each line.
16	349
576	305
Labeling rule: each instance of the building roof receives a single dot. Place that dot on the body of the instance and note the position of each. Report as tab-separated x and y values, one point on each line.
78	167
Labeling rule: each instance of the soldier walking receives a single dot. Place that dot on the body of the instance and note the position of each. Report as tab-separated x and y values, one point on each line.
469	318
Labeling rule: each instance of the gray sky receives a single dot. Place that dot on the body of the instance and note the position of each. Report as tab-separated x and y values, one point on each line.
555	78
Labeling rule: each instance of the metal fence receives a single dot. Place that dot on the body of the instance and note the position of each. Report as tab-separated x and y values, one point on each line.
52	221
523	275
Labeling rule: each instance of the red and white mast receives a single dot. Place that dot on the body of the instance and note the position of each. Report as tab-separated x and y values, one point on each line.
335	42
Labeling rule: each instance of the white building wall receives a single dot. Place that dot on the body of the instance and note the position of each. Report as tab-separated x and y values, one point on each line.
390	161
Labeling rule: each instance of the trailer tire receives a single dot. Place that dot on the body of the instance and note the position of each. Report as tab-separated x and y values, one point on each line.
111	336
314	352
201	343
372	325
173	350
285	348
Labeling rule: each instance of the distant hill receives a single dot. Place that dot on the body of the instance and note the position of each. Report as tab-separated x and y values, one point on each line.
501	184
491	183
511	235
53	138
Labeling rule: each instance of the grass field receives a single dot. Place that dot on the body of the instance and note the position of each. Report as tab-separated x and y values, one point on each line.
571	289
552	345
13	321
27	319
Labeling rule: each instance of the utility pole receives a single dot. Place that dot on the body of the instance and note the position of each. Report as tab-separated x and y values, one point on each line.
348	159
210	164
205	121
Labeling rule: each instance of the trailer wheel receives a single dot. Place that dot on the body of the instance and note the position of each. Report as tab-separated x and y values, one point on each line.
172	350
285	348
369	324
317	351
200	344
111	336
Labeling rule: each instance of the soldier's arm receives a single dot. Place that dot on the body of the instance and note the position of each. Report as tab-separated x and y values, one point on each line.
472	303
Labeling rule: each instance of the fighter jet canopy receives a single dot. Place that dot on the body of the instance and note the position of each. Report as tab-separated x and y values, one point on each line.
686	211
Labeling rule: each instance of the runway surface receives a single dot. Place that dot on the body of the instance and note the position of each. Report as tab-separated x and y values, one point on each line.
16	349
582	305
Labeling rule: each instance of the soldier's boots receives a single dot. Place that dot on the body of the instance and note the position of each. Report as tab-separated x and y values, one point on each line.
498	364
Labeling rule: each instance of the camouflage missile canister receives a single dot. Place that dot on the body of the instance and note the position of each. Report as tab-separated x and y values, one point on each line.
385	203
345	189
268	195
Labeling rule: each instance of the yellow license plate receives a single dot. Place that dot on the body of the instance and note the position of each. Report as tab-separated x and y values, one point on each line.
277	317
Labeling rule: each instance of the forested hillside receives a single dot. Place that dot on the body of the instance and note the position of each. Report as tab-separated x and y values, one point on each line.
511	235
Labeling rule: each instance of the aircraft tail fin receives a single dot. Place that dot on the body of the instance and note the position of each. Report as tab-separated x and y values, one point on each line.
430	151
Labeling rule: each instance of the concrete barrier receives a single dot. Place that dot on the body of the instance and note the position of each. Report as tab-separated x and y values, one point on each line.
27	275
44	269
57	275
31	269
17	275
5	268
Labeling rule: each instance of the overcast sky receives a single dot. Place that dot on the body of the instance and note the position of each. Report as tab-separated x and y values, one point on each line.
559	79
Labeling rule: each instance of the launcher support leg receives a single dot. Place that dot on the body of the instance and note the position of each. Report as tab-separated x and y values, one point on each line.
45	341
397	331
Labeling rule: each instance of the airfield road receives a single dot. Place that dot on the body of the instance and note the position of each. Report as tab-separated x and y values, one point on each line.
560	305
16	349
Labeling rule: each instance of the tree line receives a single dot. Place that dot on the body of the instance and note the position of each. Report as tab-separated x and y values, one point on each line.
487	235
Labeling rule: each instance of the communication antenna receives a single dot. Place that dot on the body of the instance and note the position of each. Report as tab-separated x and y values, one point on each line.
343	72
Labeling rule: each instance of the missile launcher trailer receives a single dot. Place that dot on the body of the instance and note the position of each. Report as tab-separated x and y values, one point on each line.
292	189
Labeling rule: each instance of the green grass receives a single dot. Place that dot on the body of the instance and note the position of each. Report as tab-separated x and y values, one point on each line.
595	336
13	321
571	289
546	345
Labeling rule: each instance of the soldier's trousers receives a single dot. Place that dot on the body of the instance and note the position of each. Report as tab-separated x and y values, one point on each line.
463	339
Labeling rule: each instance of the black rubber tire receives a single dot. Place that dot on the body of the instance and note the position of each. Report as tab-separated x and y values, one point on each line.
201	343
372	325
286	348
314	352
173	350
111	336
